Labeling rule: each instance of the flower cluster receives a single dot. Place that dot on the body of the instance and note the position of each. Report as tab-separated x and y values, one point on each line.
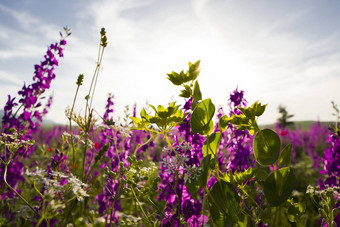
235	142
331	161
175	170
31	115
53	183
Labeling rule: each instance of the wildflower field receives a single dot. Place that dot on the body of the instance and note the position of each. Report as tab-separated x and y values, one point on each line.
178	165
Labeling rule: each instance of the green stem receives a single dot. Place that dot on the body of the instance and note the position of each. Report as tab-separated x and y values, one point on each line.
22	198
242	189
275	216
70	126
203	207
168	142
84	156
140	205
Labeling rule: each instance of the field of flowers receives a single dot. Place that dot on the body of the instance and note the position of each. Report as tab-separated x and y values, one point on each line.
190	165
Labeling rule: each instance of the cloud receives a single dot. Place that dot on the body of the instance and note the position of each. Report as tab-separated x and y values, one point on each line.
7	78
260	48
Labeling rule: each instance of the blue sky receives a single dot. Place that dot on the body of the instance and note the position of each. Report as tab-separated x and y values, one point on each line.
278	52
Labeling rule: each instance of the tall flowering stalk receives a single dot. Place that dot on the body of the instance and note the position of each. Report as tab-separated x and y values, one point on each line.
331	157
28	113
238	155
175	170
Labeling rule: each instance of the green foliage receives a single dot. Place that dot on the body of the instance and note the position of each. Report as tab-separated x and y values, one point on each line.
238	178
266	147
211	145
295	211
201	118
246	121
164	118
279	186
224	203
190	75
285	157
195	185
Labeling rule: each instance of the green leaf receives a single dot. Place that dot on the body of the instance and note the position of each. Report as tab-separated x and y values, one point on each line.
259	109
175	78
211	144
164	113
261	174
266	147
194	70
238	178
254	110
195	185
197	95
223	123
295	211
201	117
224	198
144	115
205	165
241	121
190	75
279	186
285	157
102	152
186	92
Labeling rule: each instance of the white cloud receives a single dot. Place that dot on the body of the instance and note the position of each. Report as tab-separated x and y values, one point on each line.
261	54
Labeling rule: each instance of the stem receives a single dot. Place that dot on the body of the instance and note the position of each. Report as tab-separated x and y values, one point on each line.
140	206
242	189
203	205
96	75
84	156
275	216
70	122
168	142
22	198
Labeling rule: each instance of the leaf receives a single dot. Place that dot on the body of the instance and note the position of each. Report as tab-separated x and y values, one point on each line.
195	185
238	178
186	92
285	157
241	121
211	144
279	186
223	123
197	95
205	165
266	147
190	75
224	198
254	110
102	152
295	211
194	70
175	78
201	117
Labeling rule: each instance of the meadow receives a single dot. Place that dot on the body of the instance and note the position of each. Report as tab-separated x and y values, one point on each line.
176	165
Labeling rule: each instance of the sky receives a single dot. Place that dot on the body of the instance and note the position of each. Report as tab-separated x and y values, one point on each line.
278	52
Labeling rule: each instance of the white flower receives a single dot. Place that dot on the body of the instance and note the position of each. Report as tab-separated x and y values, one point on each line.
78	187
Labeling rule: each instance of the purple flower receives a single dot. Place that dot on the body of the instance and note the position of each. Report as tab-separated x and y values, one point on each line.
28	116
